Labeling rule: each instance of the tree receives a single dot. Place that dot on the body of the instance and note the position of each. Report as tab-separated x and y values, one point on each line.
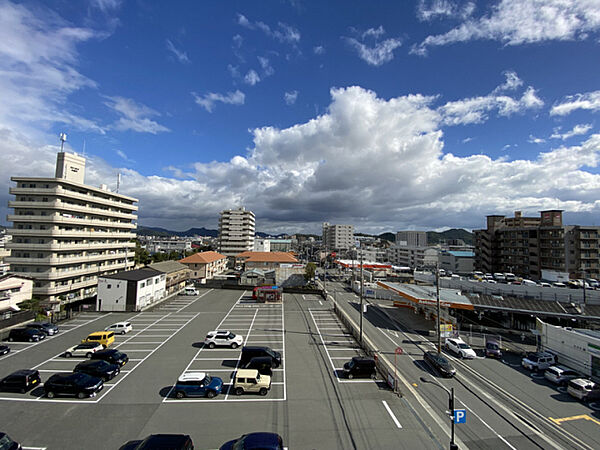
142	257
310	270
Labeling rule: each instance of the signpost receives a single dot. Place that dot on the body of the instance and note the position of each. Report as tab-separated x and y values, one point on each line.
460	416
397	352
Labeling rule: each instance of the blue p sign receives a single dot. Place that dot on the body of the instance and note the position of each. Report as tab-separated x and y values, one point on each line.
460	416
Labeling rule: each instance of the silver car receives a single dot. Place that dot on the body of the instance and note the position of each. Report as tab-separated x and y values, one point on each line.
560	375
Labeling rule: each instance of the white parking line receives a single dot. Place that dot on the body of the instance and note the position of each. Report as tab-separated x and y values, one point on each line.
389	410
245	342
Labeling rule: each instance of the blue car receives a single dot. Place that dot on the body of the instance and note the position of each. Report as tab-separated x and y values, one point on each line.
197	384
255	441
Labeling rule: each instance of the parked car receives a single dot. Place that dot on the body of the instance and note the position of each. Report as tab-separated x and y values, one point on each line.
544	284
190	291
77	384
106	338
264	365
492	349
584	390
438	362
560	375
46	327
120	327
197	384
526	282
249	352
360	367
255	441
6	443
223	338
20	381
26	335
161	442
4	349
112	356
538	361
86	349
249	380
460	348
98	368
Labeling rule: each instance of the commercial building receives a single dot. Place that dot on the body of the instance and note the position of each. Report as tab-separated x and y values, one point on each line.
459	262
66	234
413	257
338	237
262	245
205	265
527	245
236	231
411	238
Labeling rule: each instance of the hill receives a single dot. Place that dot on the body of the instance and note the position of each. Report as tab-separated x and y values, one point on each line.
434	237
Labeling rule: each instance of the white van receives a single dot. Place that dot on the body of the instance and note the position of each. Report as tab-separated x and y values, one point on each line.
190	290
119	327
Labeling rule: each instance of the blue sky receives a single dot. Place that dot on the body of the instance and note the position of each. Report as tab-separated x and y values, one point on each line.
386	115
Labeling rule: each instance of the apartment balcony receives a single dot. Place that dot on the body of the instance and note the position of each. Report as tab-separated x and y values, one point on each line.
64	206
70	234
57	261
58	219
62	274
62	289
68	247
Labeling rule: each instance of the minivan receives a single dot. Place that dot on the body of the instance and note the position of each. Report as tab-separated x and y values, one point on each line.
105	338
250	352
26	335
360	367
492	349
584	390
46	327
21	381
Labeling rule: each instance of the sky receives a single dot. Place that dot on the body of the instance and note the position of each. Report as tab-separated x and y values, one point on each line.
388	115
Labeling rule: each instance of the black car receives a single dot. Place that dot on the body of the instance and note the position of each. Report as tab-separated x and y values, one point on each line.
26	335
360	367
98	368
47	328
4	349
112	356
264	365
77	384
255	441
439	363
250	352
6	443
21	381
161	442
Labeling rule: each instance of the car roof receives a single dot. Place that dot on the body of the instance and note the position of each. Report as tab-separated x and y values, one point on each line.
161	441
87	345
246	373
259	440
120	323
582	381
561	368
107	351
192	376
24	372
362	359
219	332
91	362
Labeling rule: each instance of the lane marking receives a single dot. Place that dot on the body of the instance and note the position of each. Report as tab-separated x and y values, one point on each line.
389	410
237	364
560	420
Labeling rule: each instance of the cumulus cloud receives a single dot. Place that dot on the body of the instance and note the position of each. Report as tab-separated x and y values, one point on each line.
252	77
283	32
318	50
181	56
589	101
516	22
290	97
435	9
266	66
135	116
577	130
208	101
535	140
377	53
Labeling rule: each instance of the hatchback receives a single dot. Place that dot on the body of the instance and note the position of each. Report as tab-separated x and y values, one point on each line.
197	384
584	390
98	368
21	381
77	384
120	327
560	375
26	335
439	363
86	349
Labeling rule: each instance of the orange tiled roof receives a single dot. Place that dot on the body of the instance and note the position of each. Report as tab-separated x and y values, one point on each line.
203	257
281	257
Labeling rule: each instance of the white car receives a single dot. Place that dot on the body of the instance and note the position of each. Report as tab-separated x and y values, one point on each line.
223	338
538	361
460	347
86	349
120	327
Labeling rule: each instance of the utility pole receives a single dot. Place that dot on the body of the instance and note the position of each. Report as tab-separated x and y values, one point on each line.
361	297
437	295
583	272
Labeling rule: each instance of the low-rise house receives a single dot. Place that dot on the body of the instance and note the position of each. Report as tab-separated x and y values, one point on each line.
257	277
13	290
130	290
205	265
177	275
265	260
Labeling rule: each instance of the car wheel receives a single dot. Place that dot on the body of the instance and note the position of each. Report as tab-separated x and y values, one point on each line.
239	391
80	395
180	394
211	394
374	376
211	345
350	376
122	332
263	391
50	394
68	355
30	339
117	372
88	355
10	339
234	346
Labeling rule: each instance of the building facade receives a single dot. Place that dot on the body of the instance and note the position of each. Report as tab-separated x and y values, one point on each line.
411	238
168	245
176	273
14	290
459	262
66	234
262	245
236	231
338	237
205	265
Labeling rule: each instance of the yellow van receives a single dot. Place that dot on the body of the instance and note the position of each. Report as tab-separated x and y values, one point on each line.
105	338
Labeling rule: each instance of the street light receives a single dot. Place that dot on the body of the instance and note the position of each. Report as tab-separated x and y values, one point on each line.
450	393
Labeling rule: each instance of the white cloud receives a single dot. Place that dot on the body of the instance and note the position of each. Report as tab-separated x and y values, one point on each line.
589	101
535	140
380	52
124	156
512	82
434	9
318	50
135	116
207	101
266	66
237	41
234	71
181	56
290	97
252	77
577	130
106	5
283	33
516	22
466	140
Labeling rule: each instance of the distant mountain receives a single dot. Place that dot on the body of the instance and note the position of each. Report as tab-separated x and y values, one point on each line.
388	237
434	237
156	231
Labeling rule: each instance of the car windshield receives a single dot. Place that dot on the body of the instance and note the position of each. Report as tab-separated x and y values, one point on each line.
231	336
463	345
116	354
533	358
492	346
207	379
5	442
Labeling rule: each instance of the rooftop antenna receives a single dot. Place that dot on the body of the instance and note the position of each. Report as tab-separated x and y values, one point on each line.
118	181
63	138
84	148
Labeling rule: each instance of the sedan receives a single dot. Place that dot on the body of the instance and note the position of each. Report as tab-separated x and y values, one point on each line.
98	368
439	363
77	384
86	349
255	441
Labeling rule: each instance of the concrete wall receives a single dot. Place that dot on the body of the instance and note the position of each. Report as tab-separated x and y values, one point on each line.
150	290
113	298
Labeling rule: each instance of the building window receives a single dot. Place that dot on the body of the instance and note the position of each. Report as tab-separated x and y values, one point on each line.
108	286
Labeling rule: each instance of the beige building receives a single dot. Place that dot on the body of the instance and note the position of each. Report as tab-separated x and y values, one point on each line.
177	274
205	265
236	231
66	234
14	290
265	260
338	237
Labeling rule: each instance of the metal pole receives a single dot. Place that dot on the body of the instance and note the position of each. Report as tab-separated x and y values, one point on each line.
437	293
452	444
583	272
361	296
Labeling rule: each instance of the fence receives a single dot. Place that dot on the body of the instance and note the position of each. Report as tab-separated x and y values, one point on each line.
14	318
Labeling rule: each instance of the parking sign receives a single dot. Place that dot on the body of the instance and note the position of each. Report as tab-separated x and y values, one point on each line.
460	416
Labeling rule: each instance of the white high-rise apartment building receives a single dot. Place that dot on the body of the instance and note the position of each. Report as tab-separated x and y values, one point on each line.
65	234
411	238
338	237
236	231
